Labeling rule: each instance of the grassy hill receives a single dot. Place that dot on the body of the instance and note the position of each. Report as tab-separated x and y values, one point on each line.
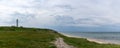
14	37
84	43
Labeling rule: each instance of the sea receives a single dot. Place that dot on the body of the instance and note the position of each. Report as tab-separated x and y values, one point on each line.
108	37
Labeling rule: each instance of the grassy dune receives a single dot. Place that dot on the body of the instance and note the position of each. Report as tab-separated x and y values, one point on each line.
13	37
84	43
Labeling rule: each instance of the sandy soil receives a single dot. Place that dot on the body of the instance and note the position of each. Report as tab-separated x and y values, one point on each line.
61	44
93	40
98	41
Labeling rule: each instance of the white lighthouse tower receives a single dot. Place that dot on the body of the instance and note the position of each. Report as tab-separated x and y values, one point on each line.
17	22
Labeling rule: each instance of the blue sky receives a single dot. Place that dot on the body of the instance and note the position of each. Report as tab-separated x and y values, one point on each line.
62	15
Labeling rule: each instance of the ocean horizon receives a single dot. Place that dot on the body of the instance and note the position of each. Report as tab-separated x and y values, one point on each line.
107	37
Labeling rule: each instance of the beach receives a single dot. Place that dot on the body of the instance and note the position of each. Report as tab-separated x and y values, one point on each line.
100	41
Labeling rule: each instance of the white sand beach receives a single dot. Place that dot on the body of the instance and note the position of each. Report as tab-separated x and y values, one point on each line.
90	39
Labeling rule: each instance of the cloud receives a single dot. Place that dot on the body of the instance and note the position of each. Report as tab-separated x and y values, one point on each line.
80	13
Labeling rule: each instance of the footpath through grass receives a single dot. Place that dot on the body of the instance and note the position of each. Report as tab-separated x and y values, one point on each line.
14	37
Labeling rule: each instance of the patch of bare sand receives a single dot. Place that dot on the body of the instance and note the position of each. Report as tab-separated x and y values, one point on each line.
61	44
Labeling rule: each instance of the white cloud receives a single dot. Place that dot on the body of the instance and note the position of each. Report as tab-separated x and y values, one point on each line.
44	12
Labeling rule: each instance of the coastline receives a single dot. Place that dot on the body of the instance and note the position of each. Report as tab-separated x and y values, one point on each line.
90	39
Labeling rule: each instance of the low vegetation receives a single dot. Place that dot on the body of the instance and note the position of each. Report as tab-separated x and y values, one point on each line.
84	43
19	37
14	37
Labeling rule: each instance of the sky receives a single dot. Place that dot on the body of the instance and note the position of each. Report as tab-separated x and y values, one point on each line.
62	15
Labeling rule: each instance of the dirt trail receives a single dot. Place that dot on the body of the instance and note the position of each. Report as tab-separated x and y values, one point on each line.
61	44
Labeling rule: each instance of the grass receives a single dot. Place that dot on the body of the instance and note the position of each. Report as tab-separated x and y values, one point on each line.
84	43
14	37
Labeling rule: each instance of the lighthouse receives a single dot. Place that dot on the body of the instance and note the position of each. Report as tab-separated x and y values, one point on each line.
17	22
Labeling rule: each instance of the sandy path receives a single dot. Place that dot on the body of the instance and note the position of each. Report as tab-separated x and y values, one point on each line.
61	44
